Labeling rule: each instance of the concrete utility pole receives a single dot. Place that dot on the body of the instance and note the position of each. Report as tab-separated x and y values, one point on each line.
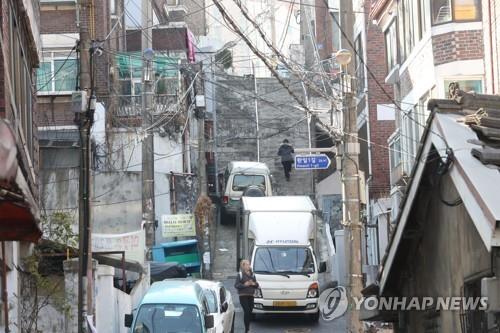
200	106
256	104
85	120
306	17
148	167
350	168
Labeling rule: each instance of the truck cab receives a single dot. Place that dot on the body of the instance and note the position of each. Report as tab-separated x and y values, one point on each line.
282	240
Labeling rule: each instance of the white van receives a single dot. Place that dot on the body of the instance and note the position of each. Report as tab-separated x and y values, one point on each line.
238	176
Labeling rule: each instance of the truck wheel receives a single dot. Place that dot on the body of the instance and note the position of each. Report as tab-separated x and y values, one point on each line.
314	317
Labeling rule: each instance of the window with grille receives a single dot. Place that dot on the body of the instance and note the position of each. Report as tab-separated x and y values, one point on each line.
473	320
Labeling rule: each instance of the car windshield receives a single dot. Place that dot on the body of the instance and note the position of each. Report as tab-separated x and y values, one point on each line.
288	260
241	182
168	318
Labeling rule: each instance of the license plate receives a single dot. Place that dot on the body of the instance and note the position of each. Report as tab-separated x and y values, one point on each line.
284	303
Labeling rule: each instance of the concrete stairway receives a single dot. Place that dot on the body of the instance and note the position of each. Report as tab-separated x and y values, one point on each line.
299	184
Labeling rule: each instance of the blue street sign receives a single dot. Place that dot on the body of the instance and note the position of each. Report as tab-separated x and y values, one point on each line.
308	162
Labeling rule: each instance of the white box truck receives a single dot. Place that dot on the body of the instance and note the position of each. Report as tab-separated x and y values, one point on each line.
281	237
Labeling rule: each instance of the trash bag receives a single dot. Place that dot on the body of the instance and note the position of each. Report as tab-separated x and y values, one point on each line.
161	271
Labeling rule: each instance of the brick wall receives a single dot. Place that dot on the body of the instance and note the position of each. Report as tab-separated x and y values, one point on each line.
53	21
168	39
458	45
55	111
380	130
324	24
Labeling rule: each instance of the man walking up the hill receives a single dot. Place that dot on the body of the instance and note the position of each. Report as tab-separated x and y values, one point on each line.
286	151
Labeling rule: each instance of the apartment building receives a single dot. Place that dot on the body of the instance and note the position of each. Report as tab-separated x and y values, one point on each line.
19	208
429	45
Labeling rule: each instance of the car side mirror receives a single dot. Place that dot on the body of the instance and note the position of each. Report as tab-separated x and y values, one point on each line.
322	267
224	307
209	321
129	318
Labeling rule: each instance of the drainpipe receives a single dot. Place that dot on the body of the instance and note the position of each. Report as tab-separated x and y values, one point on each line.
370	175
492	64
5	299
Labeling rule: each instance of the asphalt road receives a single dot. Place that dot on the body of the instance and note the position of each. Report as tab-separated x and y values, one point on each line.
225	270
282	323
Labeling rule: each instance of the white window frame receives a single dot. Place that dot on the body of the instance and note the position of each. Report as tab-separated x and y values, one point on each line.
51	58
461	78
396	136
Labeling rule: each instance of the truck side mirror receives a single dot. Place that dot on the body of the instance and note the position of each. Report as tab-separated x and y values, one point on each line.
209	321
322	267
129	318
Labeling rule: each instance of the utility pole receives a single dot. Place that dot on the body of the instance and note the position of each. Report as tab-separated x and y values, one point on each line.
306	14
148	167
200	115
84	120
350	168
309	135
257	130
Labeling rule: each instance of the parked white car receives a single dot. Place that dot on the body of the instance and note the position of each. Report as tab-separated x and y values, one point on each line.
220	304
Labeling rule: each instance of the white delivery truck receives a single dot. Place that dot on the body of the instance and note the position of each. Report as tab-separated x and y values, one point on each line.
281	237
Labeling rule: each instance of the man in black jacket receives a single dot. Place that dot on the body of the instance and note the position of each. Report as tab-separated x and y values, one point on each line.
286	152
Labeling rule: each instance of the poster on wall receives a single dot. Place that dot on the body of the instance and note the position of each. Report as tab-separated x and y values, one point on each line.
179	225
133	243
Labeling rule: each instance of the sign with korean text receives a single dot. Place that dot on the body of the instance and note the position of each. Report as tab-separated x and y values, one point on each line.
133	243
308	162
179	225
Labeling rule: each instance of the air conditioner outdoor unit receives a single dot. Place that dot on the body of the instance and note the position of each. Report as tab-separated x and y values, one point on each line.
79	101
175	12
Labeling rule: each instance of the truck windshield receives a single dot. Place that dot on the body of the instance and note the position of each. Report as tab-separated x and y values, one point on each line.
288	260
168	318
241	182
